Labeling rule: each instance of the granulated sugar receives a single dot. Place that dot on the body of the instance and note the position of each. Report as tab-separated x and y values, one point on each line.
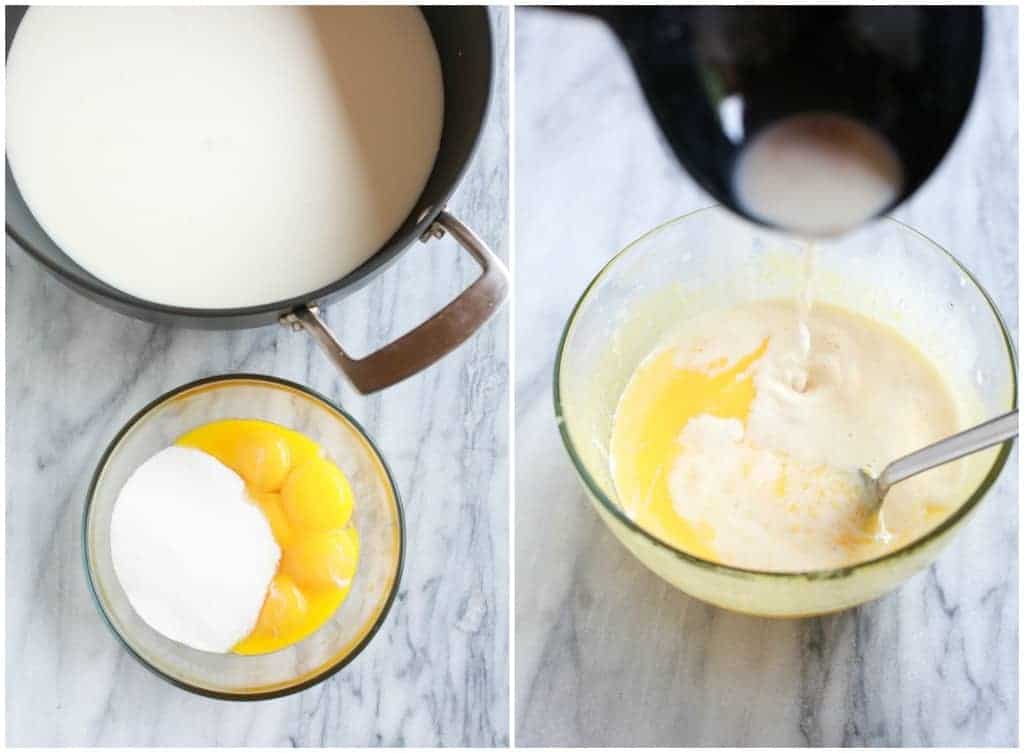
194	555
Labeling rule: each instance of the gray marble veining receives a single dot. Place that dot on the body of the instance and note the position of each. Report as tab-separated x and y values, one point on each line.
437	672
608	654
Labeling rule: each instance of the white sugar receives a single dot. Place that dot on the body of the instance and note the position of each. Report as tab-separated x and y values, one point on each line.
194	555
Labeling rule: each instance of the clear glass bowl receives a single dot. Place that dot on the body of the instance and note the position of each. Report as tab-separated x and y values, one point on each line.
377	515
708	260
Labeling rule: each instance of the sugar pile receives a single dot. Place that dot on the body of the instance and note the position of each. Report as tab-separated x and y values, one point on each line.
194	555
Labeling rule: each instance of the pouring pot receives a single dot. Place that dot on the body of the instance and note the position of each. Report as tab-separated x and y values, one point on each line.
463	38
714	76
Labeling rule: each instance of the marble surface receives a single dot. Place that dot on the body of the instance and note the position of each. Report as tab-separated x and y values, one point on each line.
606	653
437	673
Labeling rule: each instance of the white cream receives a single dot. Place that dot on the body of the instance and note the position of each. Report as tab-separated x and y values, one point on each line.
769	511
222	156
817	174
192	552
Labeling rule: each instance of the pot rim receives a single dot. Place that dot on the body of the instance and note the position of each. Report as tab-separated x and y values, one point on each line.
595	490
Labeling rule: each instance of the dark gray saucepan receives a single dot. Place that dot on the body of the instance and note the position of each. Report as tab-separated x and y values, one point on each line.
464	42
907	72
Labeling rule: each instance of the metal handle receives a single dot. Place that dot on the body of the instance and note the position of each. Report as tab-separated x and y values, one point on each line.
980	437
433	339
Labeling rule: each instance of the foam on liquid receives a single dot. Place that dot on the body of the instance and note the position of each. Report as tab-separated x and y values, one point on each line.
222	156
817	174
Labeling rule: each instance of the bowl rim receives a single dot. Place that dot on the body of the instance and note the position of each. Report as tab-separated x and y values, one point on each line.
596	492
331	668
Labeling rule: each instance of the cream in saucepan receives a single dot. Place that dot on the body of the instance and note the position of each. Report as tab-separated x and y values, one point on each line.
817	174
222	157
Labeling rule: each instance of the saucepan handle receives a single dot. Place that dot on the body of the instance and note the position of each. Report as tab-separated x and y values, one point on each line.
433	339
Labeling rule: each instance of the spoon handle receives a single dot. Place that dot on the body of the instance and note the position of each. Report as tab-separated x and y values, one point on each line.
993	431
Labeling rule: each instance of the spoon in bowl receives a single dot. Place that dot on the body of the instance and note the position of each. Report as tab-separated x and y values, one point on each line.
972	440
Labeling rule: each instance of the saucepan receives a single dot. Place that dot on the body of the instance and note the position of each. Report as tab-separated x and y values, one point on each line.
714	76
464	41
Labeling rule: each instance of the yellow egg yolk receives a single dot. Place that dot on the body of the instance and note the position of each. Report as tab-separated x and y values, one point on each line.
317	496
284	609
654	409
308	502
270	504
323	560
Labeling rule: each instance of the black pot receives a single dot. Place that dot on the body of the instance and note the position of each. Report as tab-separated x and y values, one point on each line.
907	72
464	42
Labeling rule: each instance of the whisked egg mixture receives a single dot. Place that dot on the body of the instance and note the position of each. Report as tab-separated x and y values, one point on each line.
739	438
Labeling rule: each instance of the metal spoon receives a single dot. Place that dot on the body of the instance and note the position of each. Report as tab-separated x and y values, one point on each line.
972	440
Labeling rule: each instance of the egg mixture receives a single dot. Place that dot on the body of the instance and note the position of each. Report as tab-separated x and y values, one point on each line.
238	538
308	503
739	438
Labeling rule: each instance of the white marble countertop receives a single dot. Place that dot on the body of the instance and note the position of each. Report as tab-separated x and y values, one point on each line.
606	653
437	673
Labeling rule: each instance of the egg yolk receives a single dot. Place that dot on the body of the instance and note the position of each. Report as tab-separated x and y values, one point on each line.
284	609
308	503
323	560
317	496
262	460
260	452
652	412
270	504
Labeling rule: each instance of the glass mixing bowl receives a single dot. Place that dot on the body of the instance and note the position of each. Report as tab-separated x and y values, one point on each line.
377	515
709	260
